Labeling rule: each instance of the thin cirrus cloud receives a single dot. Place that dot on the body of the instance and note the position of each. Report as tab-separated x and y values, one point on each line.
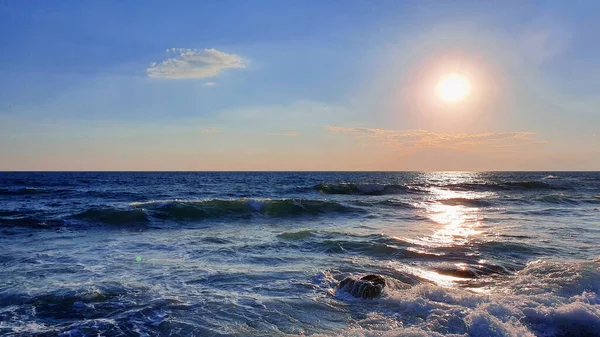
194	63
210	130
413	140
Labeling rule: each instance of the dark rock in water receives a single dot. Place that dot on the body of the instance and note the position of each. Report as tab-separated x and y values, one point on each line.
369	286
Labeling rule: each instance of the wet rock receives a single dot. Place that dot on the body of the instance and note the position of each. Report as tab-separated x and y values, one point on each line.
369	286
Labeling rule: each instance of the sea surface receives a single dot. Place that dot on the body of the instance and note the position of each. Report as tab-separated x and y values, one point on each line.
261	253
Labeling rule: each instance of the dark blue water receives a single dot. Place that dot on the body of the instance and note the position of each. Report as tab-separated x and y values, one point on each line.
260	254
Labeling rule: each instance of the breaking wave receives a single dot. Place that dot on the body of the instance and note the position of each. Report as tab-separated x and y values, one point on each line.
544	299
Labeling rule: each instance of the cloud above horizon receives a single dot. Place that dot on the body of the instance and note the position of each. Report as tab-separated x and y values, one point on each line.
210	130
194	63
413	140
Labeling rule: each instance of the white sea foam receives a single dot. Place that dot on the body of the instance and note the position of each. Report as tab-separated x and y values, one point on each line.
545	299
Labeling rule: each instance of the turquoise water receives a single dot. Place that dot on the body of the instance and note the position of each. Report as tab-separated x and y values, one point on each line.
260	254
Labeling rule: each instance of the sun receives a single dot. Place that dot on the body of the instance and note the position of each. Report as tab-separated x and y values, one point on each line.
453	88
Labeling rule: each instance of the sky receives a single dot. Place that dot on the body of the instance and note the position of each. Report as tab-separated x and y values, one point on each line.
298	85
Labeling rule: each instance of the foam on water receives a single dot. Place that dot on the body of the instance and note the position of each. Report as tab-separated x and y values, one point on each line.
564	305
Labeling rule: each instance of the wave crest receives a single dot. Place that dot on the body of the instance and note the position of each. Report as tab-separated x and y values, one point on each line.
214	208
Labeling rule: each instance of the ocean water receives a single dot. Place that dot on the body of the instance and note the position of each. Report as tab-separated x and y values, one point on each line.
261	254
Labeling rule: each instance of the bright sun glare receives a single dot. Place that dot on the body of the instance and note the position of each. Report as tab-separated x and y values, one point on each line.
453	88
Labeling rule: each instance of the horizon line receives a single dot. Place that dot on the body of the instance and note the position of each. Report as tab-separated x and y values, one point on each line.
271	171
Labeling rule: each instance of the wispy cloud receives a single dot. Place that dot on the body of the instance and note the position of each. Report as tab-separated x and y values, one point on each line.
209	84
210	130
194	63
287	134
413	140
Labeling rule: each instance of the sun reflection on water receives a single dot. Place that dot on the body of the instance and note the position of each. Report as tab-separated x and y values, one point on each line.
455	212
459	224
454	208
458	212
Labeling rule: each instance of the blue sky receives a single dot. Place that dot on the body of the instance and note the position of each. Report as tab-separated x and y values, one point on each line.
297	85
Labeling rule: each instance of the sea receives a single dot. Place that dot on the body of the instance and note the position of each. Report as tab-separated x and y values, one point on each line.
262	253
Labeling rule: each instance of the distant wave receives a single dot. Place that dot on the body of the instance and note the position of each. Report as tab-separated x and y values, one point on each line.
507	185
23	191
75	192
110	194
385	189
29	222
364	189
182	210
